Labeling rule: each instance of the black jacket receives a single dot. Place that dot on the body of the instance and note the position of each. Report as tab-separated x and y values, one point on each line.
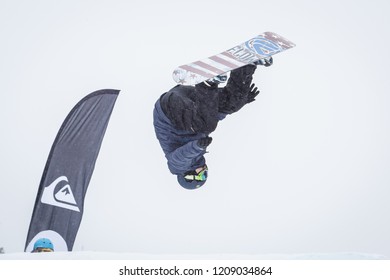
199	108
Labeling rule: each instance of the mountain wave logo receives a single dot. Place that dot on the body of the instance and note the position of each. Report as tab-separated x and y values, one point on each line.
63	197
263	46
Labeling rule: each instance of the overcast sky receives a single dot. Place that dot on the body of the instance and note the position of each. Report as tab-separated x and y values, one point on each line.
304	169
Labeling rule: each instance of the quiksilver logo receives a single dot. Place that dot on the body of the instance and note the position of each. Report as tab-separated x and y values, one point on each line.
262	46
63	197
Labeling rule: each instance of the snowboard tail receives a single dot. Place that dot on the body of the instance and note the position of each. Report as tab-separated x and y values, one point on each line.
261	46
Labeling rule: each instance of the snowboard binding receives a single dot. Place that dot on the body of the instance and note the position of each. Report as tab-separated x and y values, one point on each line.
220	79
267	61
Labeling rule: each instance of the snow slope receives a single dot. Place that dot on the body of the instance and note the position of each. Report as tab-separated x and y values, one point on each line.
90	255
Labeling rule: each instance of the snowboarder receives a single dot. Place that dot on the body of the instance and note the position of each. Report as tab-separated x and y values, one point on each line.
184	117
43	245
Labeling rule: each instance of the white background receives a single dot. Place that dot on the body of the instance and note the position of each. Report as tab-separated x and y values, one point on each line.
304	169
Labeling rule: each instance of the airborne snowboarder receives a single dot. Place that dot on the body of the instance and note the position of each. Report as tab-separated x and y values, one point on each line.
185	116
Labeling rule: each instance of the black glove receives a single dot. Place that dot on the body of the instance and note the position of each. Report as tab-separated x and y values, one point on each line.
204	142
253	92
235	94
268	61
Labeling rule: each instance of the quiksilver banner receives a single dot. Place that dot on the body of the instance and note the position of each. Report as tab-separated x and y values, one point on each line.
59	204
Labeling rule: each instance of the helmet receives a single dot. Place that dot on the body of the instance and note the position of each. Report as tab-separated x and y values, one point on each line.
189	185
193	180
43	243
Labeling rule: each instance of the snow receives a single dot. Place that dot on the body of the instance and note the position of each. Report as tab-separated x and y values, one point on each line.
91	255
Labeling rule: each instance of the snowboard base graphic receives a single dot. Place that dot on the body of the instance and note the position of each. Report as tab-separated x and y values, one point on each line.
261	46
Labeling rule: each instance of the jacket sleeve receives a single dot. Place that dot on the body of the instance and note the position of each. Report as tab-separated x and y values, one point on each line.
205	116
235	94
185	157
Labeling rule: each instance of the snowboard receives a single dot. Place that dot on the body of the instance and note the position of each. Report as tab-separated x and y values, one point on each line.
261	46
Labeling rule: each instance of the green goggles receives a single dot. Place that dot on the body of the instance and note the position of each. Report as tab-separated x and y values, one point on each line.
201	176
42	250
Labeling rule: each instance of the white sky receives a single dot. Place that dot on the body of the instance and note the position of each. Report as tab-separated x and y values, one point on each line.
304	169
